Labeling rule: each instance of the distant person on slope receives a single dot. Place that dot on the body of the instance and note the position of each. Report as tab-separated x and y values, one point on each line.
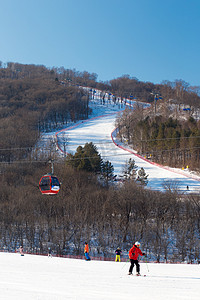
118	253
134	252
50	253
86	251
21	251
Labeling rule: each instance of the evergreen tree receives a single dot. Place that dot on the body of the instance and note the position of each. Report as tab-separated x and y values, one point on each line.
107	172
93	156
86	158
142	177
129	171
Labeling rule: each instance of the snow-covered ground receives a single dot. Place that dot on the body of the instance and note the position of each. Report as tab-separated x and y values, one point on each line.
34	277
98	130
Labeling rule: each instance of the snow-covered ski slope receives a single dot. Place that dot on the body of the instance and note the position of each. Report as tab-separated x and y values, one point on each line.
98	129
33	277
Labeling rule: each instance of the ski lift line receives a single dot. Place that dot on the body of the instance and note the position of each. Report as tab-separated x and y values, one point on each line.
89	157
70	159
14	149
96	143
22	162
160	150
102	156
178	138
68	140
44	161
32	148
154	151
174	149
102	143
149	140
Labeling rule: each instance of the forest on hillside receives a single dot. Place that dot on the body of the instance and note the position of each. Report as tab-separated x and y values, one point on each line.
35	99
168	141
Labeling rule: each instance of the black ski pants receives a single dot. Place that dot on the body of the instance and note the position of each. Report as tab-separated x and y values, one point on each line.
134	262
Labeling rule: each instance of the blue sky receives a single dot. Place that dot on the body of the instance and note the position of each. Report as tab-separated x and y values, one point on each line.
152	40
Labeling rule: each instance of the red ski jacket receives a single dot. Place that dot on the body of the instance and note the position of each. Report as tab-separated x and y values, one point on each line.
134	252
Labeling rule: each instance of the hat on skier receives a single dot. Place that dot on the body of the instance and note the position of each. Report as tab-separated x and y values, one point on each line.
137	244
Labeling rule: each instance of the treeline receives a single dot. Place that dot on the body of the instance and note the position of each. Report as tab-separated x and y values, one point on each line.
179	91
167	141
167	224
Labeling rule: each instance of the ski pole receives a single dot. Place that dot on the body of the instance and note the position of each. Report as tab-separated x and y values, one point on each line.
125	263
123	267
146	263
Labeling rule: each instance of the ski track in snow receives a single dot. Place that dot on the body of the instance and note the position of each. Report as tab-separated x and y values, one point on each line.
98	130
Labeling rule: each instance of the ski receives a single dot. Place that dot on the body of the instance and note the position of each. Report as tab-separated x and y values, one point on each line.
141	275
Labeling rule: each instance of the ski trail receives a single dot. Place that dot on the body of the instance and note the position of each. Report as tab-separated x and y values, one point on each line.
100	131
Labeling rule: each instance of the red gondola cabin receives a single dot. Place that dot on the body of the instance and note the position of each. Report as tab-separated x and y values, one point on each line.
49	185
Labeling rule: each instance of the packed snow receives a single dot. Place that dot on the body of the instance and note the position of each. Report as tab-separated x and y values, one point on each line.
33	277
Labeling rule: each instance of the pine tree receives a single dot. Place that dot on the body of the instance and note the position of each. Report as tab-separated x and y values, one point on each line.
86	158
129	171
107	172
142	177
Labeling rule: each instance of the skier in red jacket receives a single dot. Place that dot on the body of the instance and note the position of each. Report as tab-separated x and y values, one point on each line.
134	252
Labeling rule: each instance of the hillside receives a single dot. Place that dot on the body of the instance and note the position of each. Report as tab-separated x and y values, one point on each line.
84	208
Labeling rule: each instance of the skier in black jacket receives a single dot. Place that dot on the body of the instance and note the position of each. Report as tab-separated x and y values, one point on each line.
118	253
